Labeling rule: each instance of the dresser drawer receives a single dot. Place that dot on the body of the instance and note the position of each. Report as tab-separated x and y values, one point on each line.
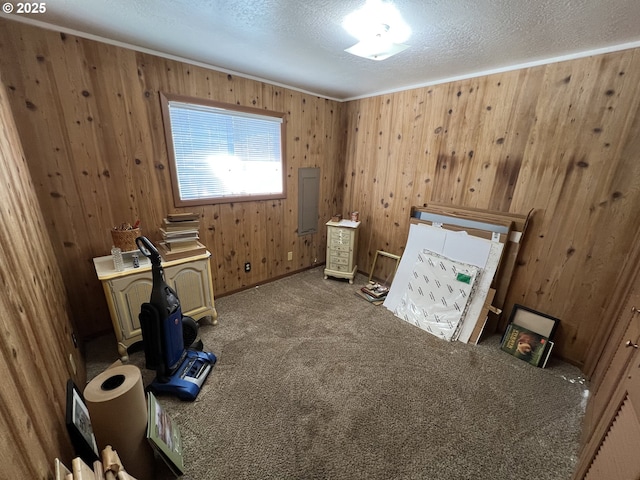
338	267
340	235
339	260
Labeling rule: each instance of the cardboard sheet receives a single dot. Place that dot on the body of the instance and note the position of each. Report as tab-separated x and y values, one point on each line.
483	285
465	248
420	237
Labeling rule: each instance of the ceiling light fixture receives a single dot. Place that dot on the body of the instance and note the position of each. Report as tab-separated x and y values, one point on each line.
380	29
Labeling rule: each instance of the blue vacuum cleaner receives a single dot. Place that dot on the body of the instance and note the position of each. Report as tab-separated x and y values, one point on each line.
180	370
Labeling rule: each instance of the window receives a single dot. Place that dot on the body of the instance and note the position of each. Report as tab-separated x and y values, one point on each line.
221	153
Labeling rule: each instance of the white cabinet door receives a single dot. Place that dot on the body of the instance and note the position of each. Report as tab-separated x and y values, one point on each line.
129	293
191	283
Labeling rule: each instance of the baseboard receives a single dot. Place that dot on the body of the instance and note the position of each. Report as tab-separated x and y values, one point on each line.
269	280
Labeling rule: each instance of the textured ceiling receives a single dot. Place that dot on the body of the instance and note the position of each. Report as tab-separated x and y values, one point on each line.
301	44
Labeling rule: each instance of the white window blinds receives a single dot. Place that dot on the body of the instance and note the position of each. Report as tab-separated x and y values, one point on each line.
224	153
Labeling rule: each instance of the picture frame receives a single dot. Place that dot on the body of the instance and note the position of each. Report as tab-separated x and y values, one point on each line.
533	320
79	426
382	253
164	436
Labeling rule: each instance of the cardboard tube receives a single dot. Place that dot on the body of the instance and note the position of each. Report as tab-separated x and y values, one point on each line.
118	411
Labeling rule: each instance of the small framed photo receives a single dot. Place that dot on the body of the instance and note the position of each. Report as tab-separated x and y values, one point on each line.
535	321
79	425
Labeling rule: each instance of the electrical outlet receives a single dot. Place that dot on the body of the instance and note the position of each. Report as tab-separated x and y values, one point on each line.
247	267
290	256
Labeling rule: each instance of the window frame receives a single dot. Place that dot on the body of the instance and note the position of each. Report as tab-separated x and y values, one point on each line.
165	98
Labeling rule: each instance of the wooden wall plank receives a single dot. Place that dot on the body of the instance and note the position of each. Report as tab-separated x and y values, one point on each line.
37	353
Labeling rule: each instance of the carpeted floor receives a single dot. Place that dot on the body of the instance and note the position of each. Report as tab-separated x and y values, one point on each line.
313	382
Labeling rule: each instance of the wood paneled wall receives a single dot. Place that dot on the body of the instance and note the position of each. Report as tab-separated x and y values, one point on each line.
36	348
562	139
90	120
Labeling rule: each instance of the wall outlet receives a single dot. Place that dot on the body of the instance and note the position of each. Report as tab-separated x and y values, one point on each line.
290	256
247	267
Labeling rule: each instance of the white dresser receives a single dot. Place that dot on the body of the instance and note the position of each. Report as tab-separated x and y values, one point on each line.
126	291
342	239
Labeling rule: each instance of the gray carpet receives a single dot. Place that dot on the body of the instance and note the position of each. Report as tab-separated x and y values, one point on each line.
312	382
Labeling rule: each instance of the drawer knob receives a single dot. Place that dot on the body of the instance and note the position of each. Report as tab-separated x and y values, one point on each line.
631	344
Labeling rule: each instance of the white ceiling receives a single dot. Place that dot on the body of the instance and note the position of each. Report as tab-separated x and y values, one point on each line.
300	44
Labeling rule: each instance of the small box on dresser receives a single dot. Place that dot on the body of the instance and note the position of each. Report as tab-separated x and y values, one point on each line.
342	239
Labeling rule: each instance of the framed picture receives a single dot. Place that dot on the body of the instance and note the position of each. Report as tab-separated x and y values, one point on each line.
164	436
79	425
535	321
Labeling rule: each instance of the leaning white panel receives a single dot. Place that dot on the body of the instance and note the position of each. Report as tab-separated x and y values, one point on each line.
437	294
420	237
482	286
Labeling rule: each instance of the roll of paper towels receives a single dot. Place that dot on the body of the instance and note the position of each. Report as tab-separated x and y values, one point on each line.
118	411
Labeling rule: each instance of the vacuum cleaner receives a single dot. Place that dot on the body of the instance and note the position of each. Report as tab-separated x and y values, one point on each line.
180	370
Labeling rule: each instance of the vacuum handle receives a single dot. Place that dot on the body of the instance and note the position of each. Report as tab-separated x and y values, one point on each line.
148	250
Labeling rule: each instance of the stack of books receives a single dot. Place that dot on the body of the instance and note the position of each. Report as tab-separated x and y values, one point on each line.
180	236
374	292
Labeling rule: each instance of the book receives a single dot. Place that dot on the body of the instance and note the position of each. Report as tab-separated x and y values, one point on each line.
369	298
375	290
168	225
168	254
192	233
182	217
164	435
182	245
526	345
